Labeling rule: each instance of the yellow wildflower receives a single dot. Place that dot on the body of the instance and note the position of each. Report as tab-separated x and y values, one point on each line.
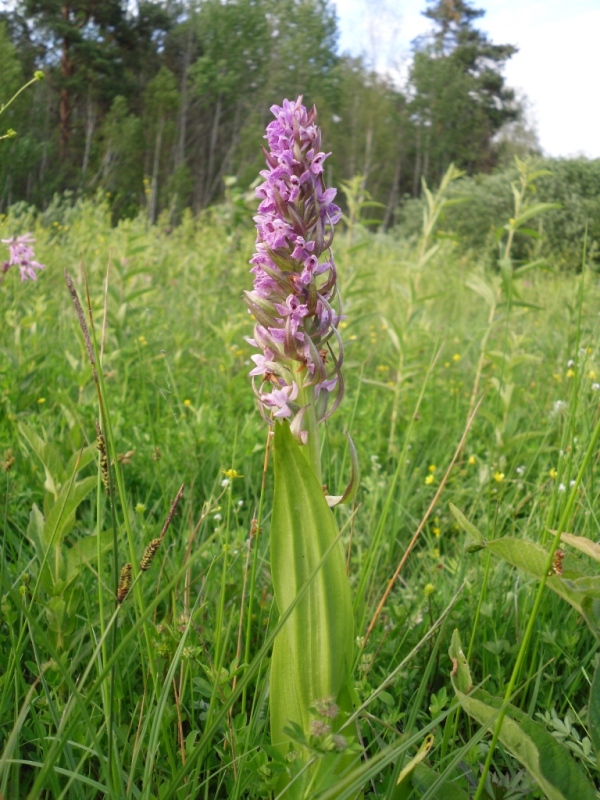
471	460
432	468
570	373
456	357
429	480
498	476
429	589
187	402
553	473
436	532
231	473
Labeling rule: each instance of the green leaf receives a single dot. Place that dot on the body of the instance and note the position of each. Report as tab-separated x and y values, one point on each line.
478	542
354	483
404	784
587	585
48	455
425	777
583	544
532	558
35	534
312	654
533	211
594	711
85	552
546	760
590	608
61	517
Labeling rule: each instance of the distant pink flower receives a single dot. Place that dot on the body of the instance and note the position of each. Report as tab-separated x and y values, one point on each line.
20	254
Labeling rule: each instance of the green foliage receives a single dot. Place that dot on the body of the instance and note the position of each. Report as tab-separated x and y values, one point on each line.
168	693
187	89
574	185
313	654
460	100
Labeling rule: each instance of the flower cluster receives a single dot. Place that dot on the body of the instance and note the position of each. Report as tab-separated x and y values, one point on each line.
295	299
20	254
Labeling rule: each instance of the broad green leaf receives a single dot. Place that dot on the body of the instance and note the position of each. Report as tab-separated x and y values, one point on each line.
478	542
85	552
523	270
532	558
312	654
546	760
588	585
583	544
533	211
483	289
425	777
61	518
404	784
590	608
48	456
35	534
594	711
80	460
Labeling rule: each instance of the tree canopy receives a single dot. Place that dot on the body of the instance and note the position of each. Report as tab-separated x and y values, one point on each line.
156	102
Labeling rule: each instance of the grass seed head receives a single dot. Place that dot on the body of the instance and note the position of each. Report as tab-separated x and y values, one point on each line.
124	582
149	554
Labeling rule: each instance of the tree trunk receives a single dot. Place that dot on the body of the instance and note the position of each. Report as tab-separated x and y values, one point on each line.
66	69
393	198
212	151
153	203
90	124
183	106
417	170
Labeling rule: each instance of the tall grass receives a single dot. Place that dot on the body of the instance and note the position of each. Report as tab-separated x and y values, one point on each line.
166	694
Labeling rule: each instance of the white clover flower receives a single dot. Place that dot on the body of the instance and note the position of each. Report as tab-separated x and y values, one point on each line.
218	517
520	470
561	487
225	482
596	387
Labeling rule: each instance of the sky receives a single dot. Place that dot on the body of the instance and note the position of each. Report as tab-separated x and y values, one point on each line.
557	66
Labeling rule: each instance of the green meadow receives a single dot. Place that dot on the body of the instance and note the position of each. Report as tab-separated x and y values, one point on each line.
472	397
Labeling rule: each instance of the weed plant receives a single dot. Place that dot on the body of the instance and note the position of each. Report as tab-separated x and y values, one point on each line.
165	694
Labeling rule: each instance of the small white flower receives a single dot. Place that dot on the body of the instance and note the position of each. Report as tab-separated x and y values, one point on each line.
570	363
225	482
240	503
218	517
596	387
559	405
520	470
561	487
572	484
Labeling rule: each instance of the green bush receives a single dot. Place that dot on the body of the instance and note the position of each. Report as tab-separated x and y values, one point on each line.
574	183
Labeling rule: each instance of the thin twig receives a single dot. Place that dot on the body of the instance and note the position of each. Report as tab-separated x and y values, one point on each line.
412	542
